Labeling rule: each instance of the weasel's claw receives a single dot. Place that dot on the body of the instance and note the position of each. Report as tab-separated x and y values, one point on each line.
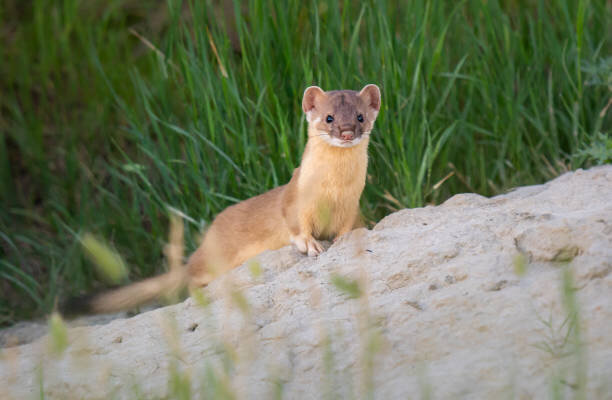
314	248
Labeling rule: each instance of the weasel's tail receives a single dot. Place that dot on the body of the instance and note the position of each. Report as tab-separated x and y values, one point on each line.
128	296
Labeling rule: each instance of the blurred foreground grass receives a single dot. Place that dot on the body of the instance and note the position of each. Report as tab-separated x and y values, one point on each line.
356	354
112	112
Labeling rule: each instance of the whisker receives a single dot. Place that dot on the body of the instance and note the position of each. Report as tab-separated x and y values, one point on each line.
331	136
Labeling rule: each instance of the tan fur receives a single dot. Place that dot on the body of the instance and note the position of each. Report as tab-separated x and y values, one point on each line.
321	201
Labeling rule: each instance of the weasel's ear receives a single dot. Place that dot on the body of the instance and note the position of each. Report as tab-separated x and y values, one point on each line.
312	95
371	95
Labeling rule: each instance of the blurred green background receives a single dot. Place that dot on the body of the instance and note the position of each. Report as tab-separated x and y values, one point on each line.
113	113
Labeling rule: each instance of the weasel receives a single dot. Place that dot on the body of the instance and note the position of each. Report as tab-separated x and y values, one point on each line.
321	201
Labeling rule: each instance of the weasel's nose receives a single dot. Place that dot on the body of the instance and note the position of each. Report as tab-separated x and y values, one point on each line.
347	132
347	135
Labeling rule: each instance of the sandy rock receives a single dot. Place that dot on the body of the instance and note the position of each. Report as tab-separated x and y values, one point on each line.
507	297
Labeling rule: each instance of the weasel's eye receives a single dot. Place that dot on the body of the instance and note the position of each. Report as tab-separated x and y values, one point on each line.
329	119
360	118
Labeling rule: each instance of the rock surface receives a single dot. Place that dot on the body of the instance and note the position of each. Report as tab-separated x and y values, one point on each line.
507	297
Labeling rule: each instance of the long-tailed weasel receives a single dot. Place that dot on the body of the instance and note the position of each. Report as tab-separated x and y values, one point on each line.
321	201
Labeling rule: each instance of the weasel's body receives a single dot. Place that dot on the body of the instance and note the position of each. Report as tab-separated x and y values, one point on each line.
321	201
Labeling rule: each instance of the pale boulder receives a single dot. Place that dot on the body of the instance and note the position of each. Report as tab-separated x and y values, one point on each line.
444	310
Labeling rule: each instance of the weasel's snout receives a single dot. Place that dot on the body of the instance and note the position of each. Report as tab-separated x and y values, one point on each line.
347	132
347	135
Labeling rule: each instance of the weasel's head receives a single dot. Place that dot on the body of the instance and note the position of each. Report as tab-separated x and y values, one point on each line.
341	117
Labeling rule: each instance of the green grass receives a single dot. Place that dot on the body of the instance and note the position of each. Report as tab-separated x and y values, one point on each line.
114	112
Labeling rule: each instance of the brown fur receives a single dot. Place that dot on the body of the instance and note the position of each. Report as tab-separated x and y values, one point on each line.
321	201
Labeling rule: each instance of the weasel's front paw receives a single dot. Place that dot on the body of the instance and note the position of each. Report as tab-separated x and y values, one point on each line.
307	245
